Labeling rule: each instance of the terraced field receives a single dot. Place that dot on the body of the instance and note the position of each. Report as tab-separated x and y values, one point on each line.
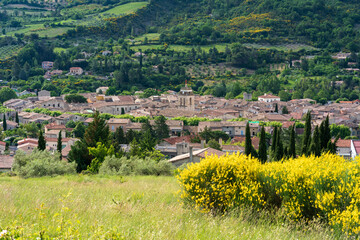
220	47
8	51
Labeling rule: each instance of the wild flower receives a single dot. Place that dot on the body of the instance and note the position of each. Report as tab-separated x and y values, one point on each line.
325	187
3	233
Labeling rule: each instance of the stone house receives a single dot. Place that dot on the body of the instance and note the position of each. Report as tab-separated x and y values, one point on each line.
115	108
268	98
44	95
76	71
115	123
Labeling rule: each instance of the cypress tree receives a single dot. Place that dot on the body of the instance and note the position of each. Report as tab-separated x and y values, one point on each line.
41	142
279	151
253	152
17	118
4	123
248	144
292	149
315	144
273	141
323	143
286	153
331	147
59	144
262	146
276	108
307	135
327	132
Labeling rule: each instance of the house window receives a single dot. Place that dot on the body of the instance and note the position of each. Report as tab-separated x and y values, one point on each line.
113	128
242	132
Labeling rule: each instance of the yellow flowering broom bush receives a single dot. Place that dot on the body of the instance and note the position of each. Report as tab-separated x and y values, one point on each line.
325	187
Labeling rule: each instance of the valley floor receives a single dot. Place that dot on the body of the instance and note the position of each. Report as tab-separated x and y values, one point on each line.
131	208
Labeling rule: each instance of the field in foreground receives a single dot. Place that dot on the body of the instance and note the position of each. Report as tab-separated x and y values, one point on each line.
134	208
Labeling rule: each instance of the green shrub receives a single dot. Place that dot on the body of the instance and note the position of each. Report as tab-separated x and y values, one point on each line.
134	166
41	163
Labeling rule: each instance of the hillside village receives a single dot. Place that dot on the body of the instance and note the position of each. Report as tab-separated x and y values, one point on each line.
231	117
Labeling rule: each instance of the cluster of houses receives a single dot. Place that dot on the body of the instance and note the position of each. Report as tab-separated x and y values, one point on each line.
185	103
48	66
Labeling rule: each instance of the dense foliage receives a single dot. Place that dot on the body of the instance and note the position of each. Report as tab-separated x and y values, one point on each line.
41	163
325	187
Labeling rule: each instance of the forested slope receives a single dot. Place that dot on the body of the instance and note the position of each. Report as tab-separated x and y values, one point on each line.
325	24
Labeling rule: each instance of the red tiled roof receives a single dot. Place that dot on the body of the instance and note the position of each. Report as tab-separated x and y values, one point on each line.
287	124
357	146
54	126
3	143
174	140
343	143
6	162
209	152
28	140
254	140
55	139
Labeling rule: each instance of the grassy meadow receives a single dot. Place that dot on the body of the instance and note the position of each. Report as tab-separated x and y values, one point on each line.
125	9
89	207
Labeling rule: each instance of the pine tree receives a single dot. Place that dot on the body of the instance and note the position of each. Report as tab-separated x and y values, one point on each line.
117	140
248	144
262	146
315	144
135	149
17	118
292	149
79	130
59	144
4	123
97	131
146	126
147	142
161	128
41	142
307	135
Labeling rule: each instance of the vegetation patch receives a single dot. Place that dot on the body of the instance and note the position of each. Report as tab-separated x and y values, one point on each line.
306	188
124	9
113	207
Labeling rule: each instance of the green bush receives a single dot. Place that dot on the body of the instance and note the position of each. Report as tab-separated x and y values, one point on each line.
134	166
41	163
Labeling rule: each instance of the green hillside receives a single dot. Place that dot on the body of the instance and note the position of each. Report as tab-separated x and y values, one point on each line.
325	24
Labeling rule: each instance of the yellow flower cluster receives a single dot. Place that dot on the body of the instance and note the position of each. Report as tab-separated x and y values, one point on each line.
217	184
325	187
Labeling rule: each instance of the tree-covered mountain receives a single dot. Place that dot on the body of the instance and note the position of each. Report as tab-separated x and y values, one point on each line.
324	24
